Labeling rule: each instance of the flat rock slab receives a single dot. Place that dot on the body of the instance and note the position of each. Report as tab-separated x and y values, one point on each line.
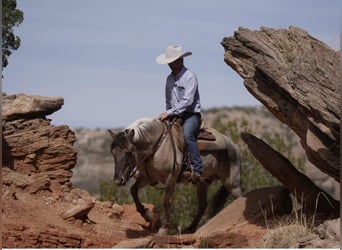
134	243
79	211
29	106
166	241
251	207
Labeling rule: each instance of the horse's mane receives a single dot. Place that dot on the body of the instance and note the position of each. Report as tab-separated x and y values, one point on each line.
118	141
139	122
142	127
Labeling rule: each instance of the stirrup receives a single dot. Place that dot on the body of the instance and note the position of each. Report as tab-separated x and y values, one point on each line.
196	177
185	177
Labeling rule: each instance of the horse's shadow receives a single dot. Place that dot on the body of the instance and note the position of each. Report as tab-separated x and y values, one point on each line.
133	234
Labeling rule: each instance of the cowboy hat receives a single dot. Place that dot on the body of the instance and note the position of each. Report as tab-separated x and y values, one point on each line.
172	53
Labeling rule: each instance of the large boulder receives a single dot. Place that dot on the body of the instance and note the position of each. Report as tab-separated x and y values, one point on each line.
296	77
252	208
312	199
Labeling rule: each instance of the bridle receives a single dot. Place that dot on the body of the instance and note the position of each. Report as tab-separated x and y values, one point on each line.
130	157
131	163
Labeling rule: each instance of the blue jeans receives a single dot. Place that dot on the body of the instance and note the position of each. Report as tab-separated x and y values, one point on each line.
191	126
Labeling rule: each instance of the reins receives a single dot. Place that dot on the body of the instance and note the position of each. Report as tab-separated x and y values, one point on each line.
173	145
155	148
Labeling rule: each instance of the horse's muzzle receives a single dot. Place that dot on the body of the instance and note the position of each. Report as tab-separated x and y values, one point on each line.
120	181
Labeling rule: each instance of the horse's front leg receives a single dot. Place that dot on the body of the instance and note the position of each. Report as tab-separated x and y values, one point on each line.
168	203
148	215
202	189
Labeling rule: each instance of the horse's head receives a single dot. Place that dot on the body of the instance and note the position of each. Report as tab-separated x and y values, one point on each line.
122	150
141	137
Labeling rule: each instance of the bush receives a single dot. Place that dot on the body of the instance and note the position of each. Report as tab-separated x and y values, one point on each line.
110	192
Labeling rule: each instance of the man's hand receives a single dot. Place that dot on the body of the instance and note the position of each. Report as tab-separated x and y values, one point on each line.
163	116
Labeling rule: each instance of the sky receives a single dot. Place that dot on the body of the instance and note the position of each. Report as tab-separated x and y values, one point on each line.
100	55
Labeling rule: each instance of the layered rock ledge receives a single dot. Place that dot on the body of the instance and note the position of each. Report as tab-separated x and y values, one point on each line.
32	147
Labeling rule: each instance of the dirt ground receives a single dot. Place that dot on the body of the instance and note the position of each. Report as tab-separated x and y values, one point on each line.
34	221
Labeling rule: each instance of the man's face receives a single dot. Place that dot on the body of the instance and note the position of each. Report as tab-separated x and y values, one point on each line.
177	65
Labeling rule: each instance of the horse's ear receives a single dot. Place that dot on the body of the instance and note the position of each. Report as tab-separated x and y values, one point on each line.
129	135
112	134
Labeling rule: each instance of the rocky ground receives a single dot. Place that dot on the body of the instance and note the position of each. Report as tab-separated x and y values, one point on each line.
35	220
46	219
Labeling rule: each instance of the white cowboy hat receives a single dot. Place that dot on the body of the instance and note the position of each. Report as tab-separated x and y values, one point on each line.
172	53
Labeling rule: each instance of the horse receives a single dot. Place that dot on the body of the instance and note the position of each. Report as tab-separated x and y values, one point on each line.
152	151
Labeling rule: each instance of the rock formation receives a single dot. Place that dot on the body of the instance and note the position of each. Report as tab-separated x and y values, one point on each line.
24	106
311	197
31	147
296	77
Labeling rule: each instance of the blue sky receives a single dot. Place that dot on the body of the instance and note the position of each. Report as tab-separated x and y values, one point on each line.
100	55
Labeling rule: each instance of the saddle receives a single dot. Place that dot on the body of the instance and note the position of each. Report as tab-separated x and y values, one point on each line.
203	133
187	169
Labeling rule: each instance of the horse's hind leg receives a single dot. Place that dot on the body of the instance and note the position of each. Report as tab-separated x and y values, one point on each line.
233	185
217	201
202	189
232	182
148	215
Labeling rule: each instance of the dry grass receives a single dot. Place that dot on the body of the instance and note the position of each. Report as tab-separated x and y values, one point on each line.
287	231
286	236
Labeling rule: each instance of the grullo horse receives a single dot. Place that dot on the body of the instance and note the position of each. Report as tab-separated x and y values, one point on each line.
152	151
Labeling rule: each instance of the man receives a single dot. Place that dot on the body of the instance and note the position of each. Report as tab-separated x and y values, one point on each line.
183	100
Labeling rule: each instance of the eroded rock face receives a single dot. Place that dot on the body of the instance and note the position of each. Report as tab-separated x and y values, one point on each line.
32	147
296	77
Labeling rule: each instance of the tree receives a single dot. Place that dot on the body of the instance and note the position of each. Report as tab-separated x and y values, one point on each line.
11	16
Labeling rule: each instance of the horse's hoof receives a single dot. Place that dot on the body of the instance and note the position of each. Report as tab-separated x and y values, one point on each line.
156	222
162	231
189	230
148	215
153	218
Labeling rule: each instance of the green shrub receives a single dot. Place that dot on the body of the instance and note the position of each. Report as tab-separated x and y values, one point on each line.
110	192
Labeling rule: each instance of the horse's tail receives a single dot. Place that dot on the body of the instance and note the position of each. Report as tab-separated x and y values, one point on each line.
217	201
